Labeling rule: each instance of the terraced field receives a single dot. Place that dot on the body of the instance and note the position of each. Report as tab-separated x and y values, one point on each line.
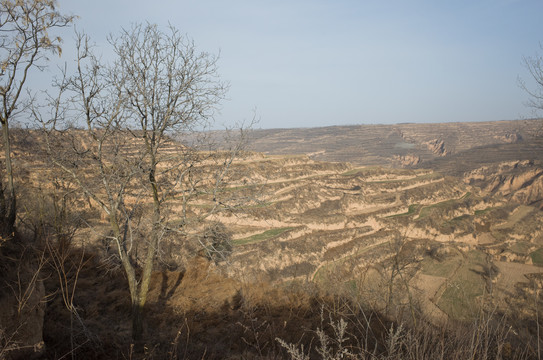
346	225
442	237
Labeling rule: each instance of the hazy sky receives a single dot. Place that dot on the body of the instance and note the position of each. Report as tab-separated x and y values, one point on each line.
304	63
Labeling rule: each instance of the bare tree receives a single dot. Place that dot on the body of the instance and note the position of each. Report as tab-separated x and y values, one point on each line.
158	86
169	87
24	44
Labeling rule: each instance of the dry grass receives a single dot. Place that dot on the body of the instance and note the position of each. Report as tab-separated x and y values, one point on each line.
342	239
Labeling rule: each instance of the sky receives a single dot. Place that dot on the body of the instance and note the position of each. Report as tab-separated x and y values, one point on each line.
309	63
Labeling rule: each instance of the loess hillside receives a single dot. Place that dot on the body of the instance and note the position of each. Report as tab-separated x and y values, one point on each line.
337	223
458	232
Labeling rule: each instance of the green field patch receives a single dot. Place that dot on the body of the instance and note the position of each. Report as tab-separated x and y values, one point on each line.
425	211
266	235
459	299
412	209
537	257
430	175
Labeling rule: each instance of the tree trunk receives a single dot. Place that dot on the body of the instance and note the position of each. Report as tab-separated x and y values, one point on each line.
137	306
131	276
139	303
389	304
137	321
8	201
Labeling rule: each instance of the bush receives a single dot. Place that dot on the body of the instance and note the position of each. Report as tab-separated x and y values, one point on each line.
217	242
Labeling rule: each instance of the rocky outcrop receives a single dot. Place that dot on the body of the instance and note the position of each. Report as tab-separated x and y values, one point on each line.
532	193
510	256
407	160
520	181
510	183
510	137
437	146
525	187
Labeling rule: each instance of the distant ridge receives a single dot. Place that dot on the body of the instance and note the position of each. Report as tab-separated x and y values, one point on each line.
398	145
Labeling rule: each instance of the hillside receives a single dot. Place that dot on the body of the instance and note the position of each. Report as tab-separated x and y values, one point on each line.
445	241
344	226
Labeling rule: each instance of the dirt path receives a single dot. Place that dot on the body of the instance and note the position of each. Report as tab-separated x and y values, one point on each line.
441	289
429	286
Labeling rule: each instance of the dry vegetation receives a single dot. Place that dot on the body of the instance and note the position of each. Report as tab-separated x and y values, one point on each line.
326	260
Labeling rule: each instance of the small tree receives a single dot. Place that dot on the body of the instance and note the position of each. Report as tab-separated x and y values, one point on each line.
158	86
24	44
